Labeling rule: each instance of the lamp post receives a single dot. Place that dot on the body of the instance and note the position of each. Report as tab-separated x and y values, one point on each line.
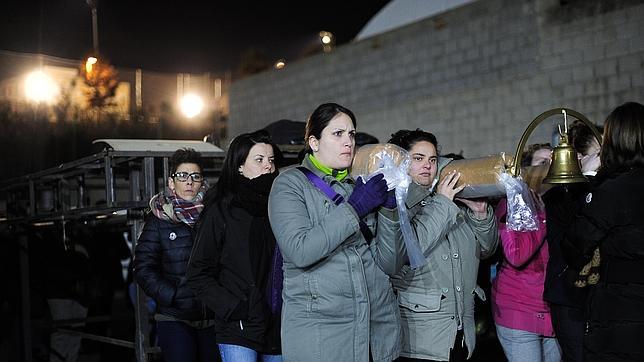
93	4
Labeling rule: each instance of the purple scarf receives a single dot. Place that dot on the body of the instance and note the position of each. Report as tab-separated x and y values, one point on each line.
276	282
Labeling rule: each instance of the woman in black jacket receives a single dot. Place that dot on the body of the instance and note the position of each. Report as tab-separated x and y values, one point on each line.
565	300
232	265
612	220
184	326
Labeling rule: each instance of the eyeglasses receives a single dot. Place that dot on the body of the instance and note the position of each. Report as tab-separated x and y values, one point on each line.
183	176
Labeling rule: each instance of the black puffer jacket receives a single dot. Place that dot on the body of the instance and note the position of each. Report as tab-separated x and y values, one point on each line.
613	219
230	269
160	263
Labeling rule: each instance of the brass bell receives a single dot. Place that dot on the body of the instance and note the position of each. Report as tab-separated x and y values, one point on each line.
564	168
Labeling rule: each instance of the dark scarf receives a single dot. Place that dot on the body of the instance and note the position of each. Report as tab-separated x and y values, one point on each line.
252	196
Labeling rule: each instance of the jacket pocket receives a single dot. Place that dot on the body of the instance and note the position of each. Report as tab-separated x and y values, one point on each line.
257	306
421	303
479	293
328	296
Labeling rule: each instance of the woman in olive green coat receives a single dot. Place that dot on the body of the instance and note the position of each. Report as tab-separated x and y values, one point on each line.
437	300
338	302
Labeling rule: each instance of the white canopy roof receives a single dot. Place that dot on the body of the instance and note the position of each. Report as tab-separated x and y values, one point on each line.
140	145
399	13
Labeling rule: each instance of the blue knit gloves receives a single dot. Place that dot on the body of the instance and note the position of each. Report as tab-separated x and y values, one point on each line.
390	203
366	197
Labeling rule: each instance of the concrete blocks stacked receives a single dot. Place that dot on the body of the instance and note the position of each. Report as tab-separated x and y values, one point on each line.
475	75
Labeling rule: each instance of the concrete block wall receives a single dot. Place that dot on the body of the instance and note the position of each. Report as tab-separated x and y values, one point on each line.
475	76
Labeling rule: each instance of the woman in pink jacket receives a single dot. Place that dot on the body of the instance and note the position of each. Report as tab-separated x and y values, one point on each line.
521	315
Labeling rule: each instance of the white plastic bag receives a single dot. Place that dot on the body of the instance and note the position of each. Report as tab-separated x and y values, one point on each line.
393	162
522	214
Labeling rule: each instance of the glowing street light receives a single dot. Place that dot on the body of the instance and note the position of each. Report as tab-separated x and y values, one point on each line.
328	41
90	63
39	87
191	105
325	39
280	64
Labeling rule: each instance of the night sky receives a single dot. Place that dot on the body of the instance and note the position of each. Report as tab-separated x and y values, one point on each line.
180	36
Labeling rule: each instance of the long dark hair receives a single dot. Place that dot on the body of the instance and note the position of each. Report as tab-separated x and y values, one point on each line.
236	156
407	139
581	136
623	140
320	118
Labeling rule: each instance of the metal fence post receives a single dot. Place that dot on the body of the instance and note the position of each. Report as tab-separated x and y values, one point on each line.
25	297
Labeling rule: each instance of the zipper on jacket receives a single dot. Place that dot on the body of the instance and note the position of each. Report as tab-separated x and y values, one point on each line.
562	272
365	291
353	290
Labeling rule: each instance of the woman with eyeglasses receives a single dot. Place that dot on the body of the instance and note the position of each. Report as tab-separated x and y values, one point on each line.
185	327
235	268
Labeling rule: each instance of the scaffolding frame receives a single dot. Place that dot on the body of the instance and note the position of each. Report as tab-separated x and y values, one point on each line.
140	168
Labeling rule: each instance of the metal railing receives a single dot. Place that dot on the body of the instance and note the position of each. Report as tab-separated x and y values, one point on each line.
116	184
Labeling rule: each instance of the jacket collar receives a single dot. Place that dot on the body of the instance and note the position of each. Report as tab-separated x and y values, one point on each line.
327	178
416	194
442	162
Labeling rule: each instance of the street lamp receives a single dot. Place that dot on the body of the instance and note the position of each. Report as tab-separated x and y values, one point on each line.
191	105
328	41
89	64
39	87
280	64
